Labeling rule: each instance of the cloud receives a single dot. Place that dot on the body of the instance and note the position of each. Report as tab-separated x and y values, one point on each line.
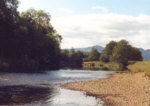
98	29
105	10
26	4
66	10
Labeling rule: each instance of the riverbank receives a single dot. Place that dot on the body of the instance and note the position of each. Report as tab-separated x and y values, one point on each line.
121	89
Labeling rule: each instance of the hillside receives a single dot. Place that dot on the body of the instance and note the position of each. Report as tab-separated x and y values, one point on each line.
145	53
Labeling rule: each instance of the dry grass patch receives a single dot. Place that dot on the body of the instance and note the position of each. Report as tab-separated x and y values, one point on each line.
141	66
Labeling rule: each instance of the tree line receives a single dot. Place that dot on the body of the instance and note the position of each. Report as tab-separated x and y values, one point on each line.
28	41
73	59
118	52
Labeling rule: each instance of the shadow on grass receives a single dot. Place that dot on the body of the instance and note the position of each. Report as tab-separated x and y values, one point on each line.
22	94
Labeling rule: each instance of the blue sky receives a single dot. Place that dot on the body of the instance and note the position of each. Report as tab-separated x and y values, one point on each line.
129	7
85	23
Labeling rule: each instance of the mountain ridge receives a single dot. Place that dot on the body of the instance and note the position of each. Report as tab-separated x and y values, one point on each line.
88	49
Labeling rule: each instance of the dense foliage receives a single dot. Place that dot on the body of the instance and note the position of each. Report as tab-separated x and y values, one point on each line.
120	52
107	52
74	59
93	55
124	52
27	42
71	59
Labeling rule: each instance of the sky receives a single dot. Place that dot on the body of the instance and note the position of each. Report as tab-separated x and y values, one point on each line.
84	23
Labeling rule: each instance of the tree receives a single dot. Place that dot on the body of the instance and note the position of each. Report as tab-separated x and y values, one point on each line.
94	55
8	19
71	59
107	52
64	59
27	42
124	52
79	59
45	47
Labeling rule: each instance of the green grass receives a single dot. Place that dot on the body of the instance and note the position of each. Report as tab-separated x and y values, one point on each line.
141	66
103	66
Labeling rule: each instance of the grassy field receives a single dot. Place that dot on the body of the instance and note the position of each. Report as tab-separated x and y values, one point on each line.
142	66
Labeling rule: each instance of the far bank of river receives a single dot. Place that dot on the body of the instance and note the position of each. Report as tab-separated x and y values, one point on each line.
42	88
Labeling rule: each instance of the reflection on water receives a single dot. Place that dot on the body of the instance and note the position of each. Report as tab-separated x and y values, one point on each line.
22	94
74	98
36	88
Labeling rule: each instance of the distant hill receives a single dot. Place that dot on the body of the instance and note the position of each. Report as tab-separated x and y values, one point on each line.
145	53
88	49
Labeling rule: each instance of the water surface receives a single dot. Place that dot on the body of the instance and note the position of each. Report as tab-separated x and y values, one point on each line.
41	89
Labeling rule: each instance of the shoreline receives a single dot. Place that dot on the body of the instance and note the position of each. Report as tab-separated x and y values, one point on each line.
120	89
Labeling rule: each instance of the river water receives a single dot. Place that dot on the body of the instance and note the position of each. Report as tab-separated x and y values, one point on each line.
41	89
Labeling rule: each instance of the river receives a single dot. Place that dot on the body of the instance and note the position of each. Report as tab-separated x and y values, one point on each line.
41	89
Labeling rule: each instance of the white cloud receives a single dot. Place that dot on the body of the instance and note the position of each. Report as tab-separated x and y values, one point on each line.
26	4
98	29
105	10
66	10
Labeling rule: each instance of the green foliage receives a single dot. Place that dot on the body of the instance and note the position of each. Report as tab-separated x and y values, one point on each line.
107	52
27	42
64	59
120	52
71	59
141	66
123	52
93	55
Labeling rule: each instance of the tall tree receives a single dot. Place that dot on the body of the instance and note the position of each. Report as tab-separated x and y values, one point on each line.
27	42
107	52
45	47
64	59
79	59
72	58
124	52
8	20
94	55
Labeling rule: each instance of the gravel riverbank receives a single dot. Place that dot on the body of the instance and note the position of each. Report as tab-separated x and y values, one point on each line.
121	89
